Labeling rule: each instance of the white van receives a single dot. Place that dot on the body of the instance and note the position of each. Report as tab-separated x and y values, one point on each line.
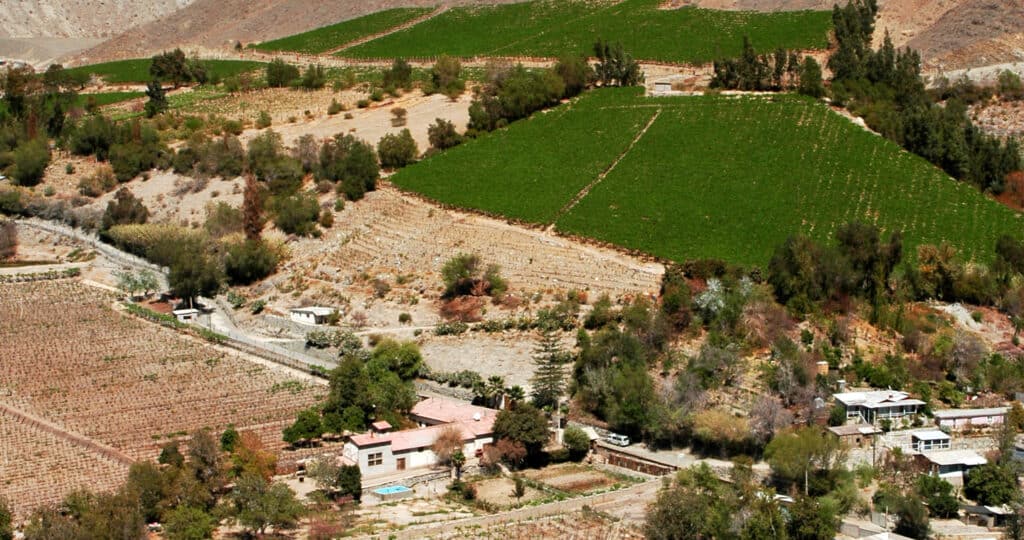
618	440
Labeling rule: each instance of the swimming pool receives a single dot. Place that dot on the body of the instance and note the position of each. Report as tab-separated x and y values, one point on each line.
391	490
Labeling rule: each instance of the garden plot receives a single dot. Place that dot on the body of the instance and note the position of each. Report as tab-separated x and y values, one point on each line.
72	359
573	478
38	468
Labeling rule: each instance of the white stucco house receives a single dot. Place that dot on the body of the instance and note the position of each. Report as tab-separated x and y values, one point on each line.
313	315
381	451
877	405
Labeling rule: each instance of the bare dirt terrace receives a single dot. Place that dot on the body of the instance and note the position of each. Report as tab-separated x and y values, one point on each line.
127	383
37	467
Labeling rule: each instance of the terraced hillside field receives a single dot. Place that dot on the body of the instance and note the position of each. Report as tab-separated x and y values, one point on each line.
711	176
329	37
550	28
70	358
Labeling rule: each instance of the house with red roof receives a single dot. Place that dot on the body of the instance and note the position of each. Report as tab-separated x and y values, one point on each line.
382	451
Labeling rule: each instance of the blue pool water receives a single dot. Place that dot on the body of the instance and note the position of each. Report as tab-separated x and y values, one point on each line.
391	490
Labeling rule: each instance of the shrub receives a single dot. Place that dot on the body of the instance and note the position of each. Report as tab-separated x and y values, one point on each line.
281	73
451	329
249	261
404	318
30	161
314	77
398	116
442	134
363	103
93	136
263	120
233	127
397	151
445	77
334	108
350	162
326	220
297	214
98	183
124	209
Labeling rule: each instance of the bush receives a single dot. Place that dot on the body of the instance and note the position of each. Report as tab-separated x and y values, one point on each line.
93	136
442	134
297	214
397	151
30	161
280	73
404	318
263	120
98	183
334	108
350	162
445	77
249	261
451	329
576	442
314	77
124	209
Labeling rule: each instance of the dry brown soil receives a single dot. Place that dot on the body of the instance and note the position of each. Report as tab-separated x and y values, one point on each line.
217	23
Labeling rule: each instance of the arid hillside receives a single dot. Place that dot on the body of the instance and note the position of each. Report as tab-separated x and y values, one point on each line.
950	34
215	23
40	30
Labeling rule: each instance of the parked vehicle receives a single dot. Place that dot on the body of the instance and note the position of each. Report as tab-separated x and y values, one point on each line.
617	440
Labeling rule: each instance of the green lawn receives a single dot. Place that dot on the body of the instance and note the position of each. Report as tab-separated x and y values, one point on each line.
137	70
550	28
329	37
722	177
107	98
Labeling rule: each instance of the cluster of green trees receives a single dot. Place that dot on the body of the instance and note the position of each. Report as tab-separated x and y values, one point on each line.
280	74
886	89
367	386
131	147
188	494
697	504
33	108
513	93
782	70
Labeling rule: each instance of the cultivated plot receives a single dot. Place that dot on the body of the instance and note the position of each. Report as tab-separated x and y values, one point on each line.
549	28
137	70
724	177
73	360
336	35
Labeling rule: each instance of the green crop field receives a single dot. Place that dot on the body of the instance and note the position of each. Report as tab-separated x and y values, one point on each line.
551	28
712	177
329	37
137	70
106	98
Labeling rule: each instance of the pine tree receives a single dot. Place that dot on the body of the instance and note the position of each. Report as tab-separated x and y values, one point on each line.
549	375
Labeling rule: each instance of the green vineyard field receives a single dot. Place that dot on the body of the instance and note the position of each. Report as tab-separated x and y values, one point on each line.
714	176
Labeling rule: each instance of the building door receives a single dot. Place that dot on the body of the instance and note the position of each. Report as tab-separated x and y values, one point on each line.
401	463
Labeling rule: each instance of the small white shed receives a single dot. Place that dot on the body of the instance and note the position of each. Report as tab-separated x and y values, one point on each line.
186	315
313	315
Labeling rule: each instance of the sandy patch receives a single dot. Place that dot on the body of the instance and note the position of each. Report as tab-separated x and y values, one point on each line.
499	491
372	123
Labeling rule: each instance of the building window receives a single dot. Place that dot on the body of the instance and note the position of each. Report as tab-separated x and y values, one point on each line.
375	459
